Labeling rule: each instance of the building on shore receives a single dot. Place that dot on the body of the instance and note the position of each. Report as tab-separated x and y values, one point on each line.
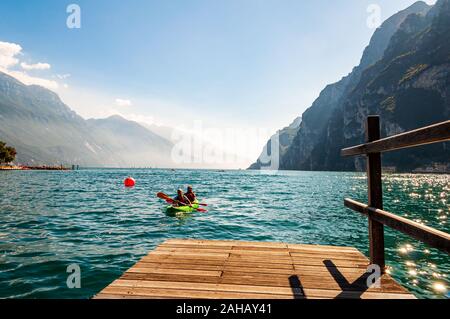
437	168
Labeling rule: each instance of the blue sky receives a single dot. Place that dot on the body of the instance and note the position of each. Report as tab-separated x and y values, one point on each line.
231	63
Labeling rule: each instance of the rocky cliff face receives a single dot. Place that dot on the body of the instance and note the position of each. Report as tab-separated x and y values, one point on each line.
408	88
283	138
403	76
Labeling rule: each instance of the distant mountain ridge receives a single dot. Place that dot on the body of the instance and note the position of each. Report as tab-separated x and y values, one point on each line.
132	142
45	131
337	118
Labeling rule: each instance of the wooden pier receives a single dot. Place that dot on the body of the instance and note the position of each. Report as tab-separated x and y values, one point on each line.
203	269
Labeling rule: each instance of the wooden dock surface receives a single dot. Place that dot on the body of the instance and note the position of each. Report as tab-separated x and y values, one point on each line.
201	269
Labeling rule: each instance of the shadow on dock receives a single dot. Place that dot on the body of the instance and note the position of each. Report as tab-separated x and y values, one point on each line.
357	287
297	288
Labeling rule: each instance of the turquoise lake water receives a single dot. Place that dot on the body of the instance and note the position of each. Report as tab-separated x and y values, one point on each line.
49	220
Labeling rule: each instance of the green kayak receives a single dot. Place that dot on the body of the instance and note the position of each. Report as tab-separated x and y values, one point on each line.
174	210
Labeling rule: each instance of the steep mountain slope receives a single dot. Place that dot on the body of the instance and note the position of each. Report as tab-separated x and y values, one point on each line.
42	128
321	133
409	87
285	137
45	131
315	119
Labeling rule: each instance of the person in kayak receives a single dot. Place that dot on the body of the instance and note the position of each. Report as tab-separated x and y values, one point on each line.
181	199
190	194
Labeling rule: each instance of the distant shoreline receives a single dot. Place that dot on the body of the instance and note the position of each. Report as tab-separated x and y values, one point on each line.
33	168
62	168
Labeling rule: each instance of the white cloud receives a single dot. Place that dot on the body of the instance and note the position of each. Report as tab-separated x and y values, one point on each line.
36	66
8	52
9	59
29	80
62	76
122	102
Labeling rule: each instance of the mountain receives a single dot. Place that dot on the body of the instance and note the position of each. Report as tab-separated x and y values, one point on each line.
163	131
45	131
42	128
134	144
336	119
283	138
409	88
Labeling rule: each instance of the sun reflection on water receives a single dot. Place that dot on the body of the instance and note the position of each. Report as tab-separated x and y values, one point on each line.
423	199
439	287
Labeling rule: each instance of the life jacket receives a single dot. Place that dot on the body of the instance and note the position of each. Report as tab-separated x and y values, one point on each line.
190	196
183	199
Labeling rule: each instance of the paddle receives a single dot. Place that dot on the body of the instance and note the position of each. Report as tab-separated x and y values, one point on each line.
166	197
170	200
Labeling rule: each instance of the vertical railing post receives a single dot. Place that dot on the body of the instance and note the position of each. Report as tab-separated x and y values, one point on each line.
375	194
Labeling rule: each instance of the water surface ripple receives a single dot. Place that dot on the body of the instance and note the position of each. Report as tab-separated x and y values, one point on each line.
49	220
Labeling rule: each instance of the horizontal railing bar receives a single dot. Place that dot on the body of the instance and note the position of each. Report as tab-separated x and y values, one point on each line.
430	236
426	135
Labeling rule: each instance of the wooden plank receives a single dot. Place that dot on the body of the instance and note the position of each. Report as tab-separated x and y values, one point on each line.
188	272
261	270
191	252
260	244
225	243
336	262
354	257
268	256
256	264
430	236
439	132
192	255
260	259
327	252
199	242
181	259
170	277
321	248
266	252
197	294
204	286
260	249
203	246
321	270
177	265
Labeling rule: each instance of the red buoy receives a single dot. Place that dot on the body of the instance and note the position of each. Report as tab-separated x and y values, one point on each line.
129	182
